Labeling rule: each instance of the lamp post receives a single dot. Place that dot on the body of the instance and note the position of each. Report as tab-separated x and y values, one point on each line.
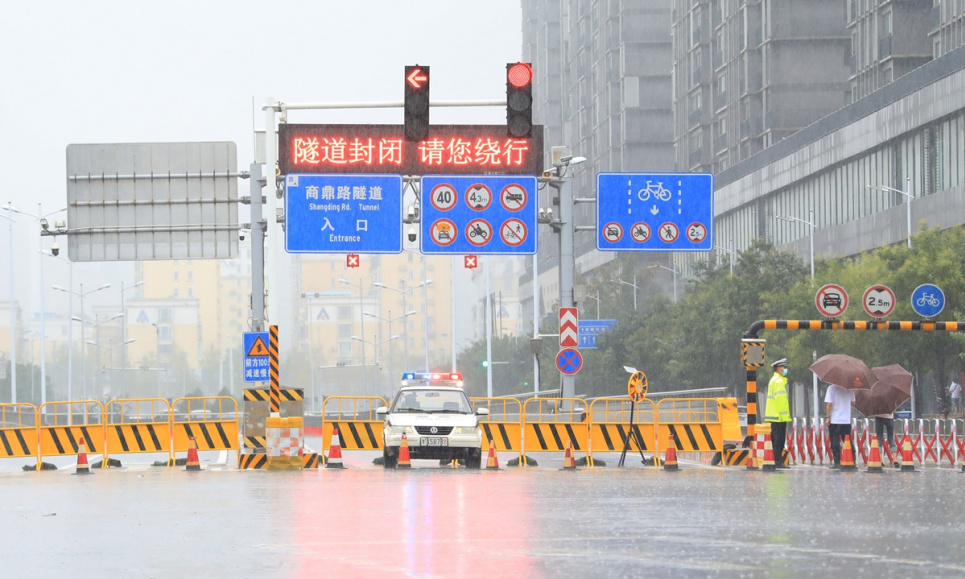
907	194
124	325
390	319
41	218
731	254
361	322
110	353
13	317
83	351
809	223
70	325
634	286
375	345
405	332
157	356
671	270
70	332
597	298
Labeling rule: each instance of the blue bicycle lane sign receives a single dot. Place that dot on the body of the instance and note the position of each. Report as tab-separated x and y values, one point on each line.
569	361
928	300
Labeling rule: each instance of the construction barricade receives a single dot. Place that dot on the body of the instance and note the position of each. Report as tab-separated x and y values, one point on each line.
18	430
609	425
550	423
212	421
63	424
695	424
503	426
137	425
359	427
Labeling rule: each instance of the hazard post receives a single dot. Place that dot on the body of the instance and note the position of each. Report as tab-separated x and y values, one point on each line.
637	388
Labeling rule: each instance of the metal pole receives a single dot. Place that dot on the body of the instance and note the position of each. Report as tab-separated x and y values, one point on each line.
362	321
271	241
814	386
811	223
634	292
908	208
566	256
311	352
13	317
83	344
425	301
257	249
157	354
489	334
405	331
731	256
452	308
43	315
535	320
391	375
70	331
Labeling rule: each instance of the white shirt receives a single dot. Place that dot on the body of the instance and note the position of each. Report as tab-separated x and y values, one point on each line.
840	399
955	390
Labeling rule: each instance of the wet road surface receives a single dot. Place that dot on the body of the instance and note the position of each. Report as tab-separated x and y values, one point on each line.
432	521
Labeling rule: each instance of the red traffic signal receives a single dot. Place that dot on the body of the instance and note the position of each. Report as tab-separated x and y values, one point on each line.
416	127
519	99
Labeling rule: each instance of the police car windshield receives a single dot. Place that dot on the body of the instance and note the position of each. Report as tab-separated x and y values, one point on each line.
432	401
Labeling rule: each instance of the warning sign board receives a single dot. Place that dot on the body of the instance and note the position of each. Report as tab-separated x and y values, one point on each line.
256	363
831	300
669	232
513	197
513	232
613	232
640	232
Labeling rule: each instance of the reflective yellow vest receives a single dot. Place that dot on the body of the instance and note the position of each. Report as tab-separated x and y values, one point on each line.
777	408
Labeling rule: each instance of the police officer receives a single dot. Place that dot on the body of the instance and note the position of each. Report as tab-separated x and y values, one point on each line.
777	412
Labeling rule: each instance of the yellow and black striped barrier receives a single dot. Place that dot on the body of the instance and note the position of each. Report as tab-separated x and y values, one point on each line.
264	394
256	442
503	425
359	426
550	424
68	422
18	430
610	424
694	423
211	420
146	427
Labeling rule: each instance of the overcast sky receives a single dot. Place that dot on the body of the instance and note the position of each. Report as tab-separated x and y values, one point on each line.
99	71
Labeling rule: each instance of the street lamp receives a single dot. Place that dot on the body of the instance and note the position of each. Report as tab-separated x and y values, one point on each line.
809	224
157	356
597	298
41	218
671	270
70	333
83	351
361	322
390	319
13	317
907	194
375	345
403	293
634	286
124	325
110	360
732	255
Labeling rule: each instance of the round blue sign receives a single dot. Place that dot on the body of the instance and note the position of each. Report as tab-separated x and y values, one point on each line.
569	361
928	300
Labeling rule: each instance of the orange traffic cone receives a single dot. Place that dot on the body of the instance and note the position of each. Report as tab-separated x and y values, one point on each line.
492	461
568	462
847	457
670	459
767	463
752	453
192	462
334	452
907	455
874	457
82	466
404	461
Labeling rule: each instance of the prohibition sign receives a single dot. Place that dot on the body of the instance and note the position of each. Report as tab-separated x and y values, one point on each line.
513	197
443	232
478	197
669	232
443	197
513	232
831	300
613	232
696	232
640	232
637	386
569	361
478	232
878	301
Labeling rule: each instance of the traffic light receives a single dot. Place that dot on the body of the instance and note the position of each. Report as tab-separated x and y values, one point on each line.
416	103
519	99
485	363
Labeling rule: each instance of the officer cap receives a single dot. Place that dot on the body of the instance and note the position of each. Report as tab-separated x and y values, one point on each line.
781	362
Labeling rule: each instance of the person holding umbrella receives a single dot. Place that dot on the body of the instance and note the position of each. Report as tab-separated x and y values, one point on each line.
839	401
844	374
777	411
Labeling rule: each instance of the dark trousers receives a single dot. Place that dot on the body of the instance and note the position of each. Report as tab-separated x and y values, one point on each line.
882	424
778	436
837	432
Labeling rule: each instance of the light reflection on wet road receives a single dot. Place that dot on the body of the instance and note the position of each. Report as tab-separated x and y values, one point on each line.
438	522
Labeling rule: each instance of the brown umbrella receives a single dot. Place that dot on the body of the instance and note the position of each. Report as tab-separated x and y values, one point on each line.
891	391
845	371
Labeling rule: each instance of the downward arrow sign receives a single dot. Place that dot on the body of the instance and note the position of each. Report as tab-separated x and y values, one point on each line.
654	210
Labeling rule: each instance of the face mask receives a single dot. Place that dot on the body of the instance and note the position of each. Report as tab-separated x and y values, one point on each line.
783	371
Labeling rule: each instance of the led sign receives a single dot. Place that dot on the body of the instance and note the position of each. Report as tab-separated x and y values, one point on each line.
448	149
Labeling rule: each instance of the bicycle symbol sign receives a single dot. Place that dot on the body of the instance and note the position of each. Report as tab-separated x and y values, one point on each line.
928	300
669	232
640	232
831	300
478	232
443	232
478	197
613	232
696	232
513	232
658	191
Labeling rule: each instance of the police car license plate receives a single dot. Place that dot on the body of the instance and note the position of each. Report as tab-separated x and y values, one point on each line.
433	441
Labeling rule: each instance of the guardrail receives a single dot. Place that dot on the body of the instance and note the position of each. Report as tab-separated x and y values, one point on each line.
359	427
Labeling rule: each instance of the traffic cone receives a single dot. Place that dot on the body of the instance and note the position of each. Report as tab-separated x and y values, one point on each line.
670	459
568	462
82	466
492	461
404	461
907	455
767	463
847	457
192	462
335	452
874	457
752	453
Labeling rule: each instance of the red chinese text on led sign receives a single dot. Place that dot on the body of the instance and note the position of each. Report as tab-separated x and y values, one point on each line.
381	148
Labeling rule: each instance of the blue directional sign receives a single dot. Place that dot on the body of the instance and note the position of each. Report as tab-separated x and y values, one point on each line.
655	212
256	362
928	300
343	213
479	214
590	329
569	361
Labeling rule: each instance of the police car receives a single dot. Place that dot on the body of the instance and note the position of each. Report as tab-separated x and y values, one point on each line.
438	420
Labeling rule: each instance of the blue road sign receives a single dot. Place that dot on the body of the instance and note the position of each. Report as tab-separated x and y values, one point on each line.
343	213
569	361
655	212
256	362
590	329
479	214
928	300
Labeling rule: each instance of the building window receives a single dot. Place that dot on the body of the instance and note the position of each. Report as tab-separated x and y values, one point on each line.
164	333
886	23
190	292
344	313
345	350
695	102
345	331
176	272
177	293
164	316
190	276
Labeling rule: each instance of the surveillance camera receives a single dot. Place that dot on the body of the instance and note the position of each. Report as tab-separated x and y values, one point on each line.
566	160
43	224
411	234
411	211
241	234
55	248
60	225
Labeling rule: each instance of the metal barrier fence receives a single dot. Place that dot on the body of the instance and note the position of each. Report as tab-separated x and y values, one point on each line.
549	424
137	425
18	430
503	426
609	426
60	432
359	426
212	421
